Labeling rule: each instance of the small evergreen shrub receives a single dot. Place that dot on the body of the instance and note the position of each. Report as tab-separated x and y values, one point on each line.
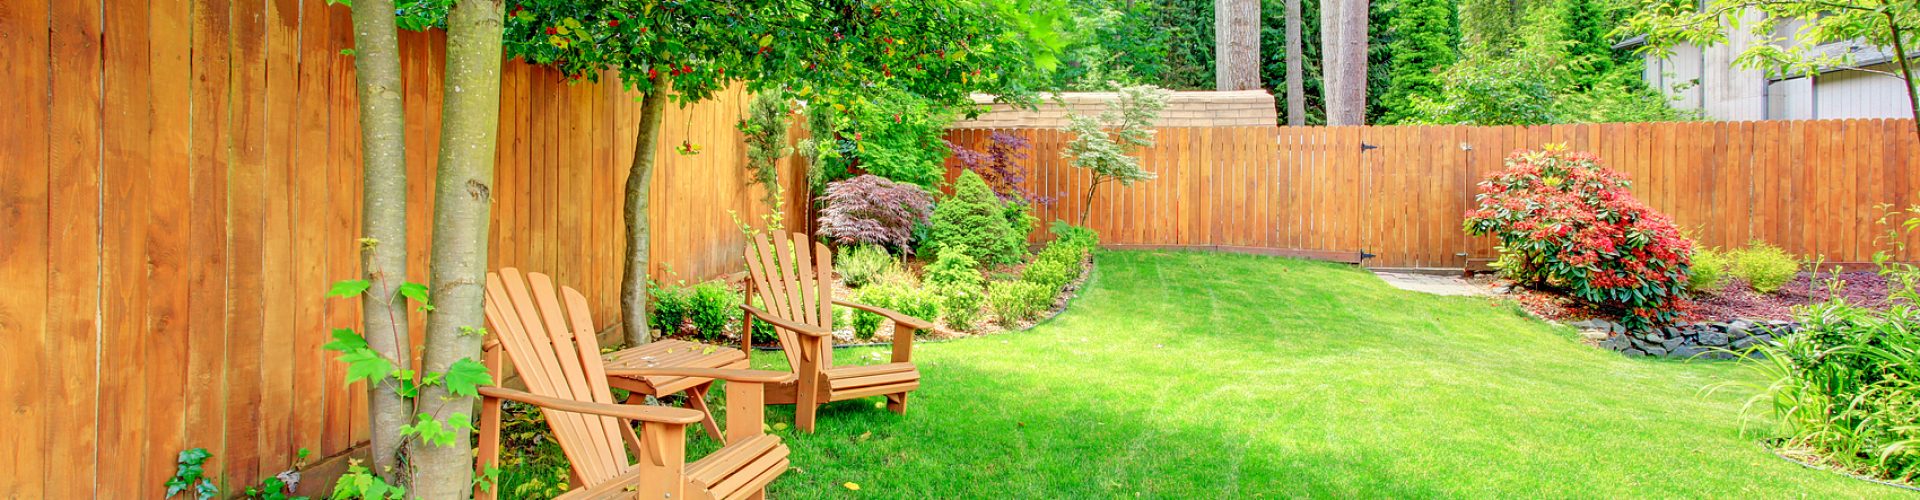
1072	235
1709	270
954	268
671	305
956	278
860	265
961	306
973	221
1016	301
1020	221
869	210
917	302
1048	273
1569	224
713	308
1764	267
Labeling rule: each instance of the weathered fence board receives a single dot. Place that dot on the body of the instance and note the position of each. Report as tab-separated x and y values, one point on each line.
180	181
1815	188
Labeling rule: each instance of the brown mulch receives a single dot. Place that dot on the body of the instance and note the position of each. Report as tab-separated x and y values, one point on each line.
1734	300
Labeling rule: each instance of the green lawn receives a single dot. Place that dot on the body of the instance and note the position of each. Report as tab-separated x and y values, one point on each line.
1190	375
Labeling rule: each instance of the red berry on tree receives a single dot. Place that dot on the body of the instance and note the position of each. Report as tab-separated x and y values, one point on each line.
686	68
613	23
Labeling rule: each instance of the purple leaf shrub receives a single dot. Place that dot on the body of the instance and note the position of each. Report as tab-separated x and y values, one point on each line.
872	210
999	166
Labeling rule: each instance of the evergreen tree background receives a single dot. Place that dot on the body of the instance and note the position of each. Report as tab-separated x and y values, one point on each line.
1424	40
1429	61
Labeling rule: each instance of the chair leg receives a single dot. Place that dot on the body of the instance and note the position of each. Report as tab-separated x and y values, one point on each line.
697	399
897	403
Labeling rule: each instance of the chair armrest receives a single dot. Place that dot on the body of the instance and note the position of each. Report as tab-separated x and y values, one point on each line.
909	321
727	374
808	330
655	414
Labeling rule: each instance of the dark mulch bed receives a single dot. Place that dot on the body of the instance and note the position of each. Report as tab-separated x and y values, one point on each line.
1737	300
1734	300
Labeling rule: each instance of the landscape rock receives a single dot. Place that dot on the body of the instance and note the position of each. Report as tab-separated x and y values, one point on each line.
1703	340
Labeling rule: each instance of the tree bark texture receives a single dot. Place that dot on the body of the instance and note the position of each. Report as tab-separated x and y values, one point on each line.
1343	39
633	282
1236	45
1296	74
470	119
383	263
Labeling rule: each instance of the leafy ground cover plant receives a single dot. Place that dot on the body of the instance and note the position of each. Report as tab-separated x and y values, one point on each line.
874	211
862	264
1764	267
974	221
1568	224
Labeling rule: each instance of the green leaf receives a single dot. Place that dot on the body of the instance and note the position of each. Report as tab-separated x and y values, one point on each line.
417	293
349	288
465	377
346	340
766	39
429	430
366	364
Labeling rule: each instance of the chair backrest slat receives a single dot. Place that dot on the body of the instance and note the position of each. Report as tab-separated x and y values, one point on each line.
794	279
556	359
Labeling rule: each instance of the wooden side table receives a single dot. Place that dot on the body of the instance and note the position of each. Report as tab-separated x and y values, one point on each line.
675	353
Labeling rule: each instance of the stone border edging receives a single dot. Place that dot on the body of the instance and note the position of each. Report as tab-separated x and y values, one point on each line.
1686	340
1767	444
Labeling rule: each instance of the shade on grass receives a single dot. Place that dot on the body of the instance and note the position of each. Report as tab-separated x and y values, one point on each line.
1191	375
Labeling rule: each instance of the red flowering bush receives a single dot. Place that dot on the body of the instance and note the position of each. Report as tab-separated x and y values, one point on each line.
1566	223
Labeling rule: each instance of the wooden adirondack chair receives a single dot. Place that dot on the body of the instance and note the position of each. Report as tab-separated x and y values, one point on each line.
556	354
794	280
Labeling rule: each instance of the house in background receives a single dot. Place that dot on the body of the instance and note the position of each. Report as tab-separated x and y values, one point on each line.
1705	79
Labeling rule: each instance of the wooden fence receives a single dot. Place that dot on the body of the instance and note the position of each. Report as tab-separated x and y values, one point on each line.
1815	188
179	183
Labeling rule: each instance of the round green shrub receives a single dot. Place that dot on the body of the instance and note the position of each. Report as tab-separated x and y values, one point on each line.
960	306
917	302
669	312
862	264
1016	301
973	221
1709	271
1048	273
713	309
1764	267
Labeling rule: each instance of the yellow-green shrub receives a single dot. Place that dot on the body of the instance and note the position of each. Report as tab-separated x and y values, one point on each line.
1764	267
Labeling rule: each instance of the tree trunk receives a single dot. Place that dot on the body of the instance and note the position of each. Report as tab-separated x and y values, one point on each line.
383	146
1236	44
470	120
1343	29
1296	74
1906	70
633	282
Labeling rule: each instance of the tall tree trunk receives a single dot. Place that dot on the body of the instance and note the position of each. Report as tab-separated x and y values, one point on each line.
470	120
1906	70
383	145
633	282
1343	28
1236	44
1296	74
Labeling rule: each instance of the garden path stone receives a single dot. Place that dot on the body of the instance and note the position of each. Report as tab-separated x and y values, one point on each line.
1432	283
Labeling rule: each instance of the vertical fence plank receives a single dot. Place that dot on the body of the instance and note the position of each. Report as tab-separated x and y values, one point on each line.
78	307
164	337
23	260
